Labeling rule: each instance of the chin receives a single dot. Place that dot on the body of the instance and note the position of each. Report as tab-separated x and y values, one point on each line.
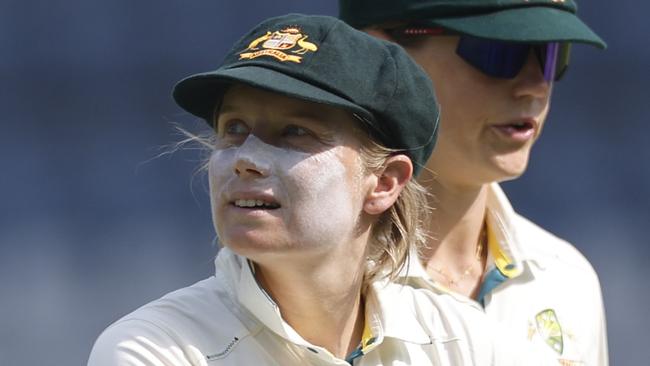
510	167
249	244
507	178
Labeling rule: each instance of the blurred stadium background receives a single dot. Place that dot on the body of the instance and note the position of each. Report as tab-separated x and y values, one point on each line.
92	227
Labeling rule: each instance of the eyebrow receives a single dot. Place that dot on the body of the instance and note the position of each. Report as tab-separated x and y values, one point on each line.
303	112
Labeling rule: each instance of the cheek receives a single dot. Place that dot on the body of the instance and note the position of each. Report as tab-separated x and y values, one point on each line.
460	130
325	197
219	172
464	102
219	169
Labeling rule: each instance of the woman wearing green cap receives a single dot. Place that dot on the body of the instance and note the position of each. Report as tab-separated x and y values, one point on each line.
312	199
493	63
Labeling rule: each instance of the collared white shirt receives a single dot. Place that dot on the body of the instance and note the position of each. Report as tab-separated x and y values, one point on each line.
546	292
229	319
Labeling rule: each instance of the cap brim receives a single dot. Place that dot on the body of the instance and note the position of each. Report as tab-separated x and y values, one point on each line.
199	94
525	24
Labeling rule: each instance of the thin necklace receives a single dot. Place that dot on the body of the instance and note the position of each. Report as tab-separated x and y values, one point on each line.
453	282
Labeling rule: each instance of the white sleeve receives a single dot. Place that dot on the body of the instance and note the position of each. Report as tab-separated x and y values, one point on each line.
136	343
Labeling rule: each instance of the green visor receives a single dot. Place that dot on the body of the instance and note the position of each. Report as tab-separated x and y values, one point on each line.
534	24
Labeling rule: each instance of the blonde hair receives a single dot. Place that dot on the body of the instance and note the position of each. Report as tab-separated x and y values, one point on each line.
400	230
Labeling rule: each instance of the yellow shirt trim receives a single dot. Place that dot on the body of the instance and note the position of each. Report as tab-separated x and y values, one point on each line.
367	339
501	259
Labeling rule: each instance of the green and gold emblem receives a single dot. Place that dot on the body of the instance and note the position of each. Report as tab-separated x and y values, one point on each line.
284	45
548	327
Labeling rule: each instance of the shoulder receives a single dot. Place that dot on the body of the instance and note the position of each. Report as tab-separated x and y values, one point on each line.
563	278
181	326
566	283
552	251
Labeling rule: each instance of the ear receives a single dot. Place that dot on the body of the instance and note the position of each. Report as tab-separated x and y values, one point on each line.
390	181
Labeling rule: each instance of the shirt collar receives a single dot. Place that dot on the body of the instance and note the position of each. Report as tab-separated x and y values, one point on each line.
504	245
386	313
252	297
506	241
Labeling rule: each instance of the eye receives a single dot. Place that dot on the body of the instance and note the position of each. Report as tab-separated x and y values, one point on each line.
293	130
235	128
231	132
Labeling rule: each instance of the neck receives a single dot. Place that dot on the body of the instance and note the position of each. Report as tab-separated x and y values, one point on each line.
458	217
457	221
320	297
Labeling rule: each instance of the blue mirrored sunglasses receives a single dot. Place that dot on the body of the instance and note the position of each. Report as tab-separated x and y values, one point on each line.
502	59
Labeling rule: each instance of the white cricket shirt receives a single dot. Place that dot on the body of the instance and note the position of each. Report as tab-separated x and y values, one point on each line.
229	319
538	287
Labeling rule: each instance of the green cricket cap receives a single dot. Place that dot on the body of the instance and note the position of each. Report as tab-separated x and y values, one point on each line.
321	59
506	20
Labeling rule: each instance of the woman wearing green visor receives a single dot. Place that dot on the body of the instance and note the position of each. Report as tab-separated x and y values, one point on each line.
494	63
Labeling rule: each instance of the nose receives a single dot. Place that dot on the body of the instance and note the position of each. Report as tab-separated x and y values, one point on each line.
246	168
251	161
530	81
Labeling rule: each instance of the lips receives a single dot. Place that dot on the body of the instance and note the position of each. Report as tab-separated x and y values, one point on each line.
520	130
255	203
251	200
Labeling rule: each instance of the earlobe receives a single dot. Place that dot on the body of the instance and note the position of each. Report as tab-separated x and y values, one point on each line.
389	183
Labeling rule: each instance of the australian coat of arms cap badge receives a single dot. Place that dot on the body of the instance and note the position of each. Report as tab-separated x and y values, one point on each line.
288	44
